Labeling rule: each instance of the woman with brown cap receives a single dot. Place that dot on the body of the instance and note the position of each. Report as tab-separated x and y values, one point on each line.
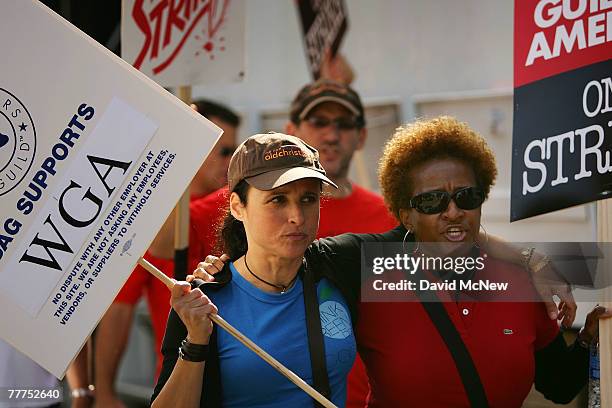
271	291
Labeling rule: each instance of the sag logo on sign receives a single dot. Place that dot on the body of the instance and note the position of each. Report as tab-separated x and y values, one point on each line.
17	141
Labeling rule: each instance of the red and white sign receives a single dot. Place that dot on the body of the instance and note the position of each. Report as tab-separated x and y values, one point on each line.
184	42
556	36
562	105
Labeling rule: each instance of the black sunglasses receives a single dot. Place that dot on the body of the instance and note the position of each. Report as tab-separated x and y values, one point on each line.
341	123
435	202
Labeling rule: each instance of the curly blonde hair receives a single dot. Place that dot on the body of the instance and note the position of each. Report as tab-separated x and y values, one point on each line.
425	140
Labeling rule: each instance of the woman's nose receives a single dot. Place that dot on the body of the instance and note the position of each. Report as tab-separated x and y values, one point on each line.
296	214
452	211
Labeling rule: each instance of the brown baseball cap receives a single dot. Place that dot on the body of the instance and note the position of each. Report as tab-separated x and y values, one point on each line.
270	160
326	90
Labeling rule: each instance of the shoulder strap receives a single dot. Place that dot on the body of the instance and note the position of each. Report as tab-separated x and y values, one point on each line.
461	356
315	336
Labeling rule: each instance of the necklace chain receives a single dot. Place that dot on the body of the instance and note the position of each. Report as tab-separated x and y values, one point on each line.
282	288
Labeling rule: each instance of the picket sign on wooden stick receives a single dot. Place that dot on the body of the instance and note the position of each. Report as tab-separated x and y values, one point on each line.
604	234
246	341
181	225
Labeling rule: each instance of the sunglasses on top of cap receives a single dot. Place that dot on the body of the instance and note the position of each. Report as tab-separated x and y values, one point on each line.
341	123
435	202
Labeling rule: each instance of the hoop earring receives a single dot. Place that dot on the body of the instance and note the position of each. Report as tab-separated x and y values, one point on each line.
404	241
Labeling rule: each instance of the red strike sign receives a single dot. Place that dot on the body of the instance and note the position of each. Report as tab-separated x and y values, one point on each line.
169	23
555	36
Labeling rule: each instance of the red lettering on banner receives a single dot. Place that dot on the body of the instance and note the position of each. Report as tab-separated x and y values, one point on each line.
169	18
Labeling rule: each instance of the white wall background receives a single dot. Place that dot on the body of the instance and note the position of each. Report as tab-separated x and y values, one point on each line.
398	48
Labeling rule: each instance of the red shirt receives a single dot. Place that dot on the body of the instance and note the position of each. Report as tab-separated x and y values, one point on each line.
410	365
205	217
361	212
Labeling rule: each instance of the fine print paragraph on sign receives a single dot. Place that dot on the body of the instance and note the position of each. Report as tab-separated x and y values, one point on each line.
113	235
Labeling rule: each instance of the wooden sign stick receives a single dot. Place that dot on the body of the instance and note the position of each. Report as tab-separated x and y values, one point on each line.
181	225
246	341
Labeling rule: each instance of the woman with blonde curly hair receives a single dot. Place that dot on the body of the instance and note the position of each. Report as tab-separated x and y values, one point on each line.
442	348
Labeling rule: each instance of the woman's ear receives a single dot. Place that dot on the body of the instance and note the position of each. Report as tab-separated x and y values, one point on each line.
236	207
404	215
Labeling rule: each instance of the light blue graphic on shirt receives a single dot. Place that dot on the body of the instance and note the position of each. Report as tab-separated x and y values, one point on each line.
277	323
335	320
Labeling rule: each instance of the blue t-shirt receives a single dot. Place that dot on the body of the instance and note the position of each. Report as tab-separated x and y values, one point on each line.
277	323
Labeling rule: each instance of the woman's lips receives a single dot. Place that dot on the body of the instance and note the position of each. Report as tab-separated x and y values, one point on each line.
297	236
455	234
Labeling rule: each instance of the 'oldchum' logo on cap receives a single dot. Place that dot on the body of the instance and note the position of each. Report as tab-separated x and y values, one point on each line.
270	160
284	151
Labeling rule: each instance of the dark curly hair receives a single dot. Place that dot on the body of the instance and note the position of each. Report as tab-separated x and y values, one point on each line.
425	140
